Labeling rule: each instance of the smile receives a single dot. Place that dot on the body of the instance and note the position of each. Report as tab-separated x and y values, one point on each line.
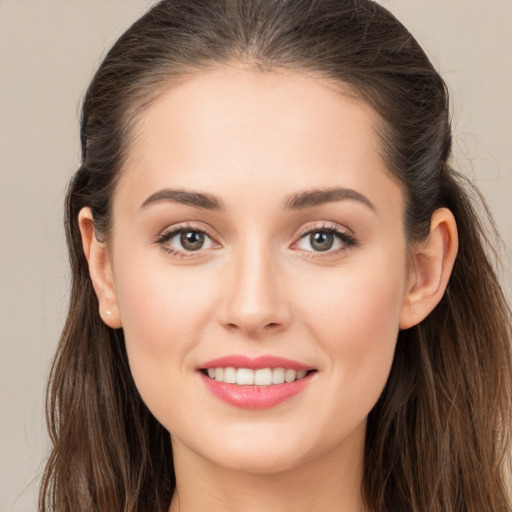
260	377
255	383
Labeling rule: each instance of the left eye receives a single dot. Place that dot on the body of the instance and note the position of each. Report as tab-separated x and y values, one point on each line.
325	239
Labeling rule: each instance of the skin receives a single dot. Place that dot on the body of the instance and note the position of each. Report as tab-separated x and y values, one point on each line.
259	286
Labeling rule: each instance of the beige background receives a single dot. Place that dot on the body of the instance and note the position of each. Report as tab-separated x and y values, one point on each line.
48	52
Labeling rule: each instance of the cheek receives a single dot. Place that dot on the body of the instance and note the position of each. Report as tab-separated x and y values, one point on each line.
357	301
356	322
163	312
160	308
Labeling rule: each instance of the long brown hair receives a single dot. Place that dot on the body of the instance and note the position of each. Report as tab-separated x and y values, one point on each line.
438	439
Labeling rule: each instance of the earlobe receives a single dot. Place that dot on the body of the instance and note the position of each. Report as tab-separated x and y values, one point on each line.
100	270
433	261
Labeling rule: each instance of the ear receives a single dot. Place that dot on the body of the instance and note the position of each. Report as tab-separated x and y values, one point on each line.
432	264
100	270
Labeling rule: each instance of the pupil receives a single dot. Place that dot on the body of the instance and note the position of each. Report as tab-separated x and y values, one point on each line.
321	241
192	240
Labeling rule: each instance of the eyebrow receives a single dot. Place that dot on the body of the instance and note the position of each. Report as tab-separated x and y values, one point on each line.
310	198
297	201
197	199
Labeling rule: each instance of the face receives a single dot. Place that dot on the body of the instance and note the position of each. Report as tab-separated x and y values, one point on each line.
258	235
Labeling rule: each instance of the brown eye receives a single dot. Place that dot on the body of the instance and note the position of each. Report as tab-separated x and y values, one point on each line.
192	240
325	239
321	241
184	240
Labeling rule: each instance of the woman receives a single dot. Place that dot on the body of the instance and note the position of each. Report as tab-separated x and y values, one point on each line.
281	296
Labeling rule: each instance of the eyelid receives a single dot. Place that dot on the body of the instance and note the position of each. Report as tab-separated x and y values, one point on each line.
177	228
322	226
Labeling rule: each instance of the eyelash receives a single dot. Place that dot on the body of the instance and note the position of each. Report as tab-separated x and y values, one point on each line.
343	236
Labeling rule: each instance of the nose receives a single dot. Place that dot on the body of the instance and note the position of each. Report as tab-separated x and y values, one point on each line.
255	301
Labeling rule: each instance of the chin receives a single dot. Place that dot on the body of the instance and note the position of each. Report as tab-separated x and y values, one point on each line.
260	462
267	450
260	450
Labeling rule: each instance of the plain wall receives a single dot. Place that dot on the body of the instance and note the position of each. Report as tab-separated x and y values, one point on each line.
49	50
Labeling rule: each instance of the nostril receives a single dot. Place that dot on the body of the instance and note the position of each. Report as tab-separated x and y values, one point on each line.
271	325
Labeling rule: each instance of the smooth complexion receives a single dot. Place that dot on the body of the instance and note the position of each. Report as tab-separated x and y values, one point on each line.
256	282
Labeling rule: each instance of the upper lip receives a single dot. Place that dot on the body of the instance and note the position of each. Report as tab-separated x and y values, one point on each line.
256	363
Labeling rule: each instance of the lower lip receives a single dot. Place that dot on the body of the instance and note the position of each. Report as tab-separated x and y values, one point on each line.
255	397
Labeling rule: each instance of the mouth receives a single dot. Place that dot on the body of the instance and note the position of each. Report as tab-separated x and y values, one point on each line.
259	383
255	377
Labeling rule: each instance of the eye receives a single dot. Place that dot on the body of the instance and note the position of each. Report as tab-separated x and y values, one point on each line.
181	240
328	239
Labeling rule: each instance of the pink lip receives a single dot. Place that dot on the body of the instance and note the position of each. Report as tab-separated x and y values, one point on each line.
267	361
255	397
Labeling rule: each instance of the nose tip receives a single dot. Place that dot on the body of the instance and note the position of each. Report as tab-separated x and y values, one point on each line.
255	313
254	301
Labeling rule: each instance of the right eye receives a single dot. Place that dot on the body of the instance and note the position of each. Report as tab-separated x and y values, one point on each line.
181	241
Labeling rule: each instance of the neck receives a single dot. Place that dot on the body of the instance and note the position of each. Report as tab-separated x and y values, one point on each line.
329	483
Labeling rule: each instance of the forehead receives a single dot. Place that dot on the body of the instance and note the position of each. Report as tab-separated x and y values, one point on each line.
254	130
218	98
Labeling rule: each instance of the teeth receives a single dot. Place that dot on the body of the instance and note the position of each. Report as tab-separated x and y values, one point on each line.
244	376
263	377
290	375
230	375
260	377
278	376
